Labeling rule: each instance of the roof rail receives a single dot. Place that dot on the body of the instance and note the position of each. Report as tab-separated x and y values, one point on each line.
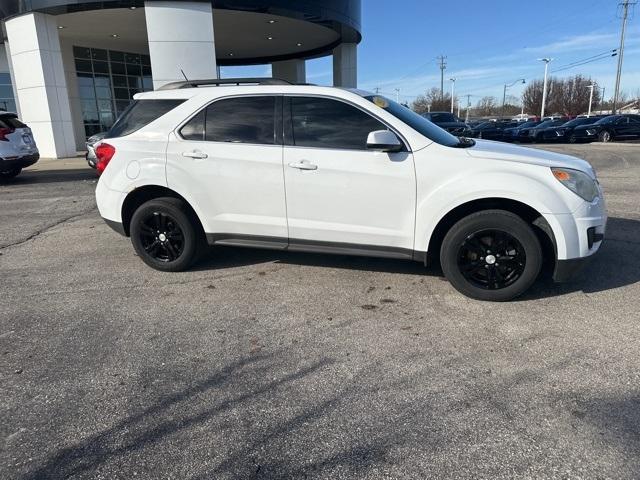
224	81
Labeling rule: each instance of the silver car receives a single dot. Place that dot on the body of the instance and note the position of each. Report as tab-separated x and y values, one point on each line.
18	149
92	160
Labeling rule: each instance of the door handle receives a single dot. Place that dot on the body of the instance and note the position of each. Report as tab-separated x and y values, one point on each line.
195	154
303	165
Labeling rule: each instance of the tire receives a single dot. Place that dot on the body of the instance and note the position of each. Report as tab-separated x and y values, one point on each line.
477	271
605	136
166	235
573	139
9	174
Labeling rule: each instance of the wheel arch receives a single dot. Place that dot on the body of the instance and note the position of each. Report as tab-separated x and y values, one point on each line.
529	214
145	193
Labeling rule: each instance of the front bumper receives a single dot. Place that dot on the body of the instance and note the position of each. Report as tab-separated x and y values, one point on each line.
568	269
11	163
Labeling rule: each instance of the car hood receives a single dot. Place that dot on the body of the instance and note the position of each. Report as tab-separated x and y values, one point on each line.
485	149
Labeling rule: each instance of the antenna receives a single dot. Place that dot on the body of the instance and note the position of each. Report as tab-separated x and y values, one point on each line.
185	77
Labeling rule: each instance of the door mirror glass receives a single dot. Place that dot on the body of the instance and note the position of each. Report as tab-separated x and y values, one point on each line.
384	141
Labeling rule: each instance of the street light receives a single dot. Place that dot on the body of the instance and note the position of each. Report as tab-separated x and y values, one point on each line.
590	87
453	87
544	88
504	94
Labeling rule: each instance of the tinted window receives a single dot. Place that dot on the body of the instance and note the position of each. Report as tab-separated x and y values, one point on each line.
326	123
139	114
12	121
442	117
194	128
241	120
610	119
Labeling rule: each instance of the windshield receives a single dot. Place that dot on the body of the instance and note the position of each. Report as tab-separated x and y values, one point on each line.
415	121
605	120
578	121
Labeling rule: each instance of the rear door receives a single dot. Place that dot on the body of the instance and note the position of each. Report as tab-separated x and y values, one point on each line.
340	195
228	159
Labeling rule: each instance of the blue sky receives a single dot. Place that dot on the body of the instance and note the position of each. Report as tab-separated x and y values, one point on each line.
488	43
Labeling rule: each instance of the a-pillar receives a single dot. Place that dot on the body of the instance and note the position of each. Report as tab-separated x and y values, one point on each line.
180	36
293	71
40	85
345	65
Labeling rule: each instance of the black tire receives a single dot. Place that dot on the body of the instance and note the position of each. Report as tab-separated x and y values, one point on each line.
605	136
476	271
573	139
165	234
9	174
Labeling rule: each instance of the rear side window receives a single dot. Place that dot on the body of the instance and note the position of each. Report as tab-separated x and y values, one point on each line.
235	120
326	123
139	114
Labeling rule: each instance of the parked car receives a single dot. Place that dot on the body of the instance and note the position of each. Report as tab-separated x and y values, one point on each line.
536	133
511	134
90	156
449	122
307	168
18	149
492	130
610	128
564	133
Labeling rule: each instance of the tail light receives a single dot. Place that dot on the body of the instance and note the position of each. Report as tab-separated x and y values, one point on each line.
104	154
4	132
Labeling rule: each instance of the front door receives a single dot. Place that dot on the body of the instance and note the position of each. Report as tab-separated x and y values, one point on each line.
228	159
340	194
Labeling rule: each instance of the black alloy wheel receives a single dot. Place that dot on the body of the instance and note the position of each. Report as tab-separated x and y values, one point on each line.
166	234
491	255
491	259
161	237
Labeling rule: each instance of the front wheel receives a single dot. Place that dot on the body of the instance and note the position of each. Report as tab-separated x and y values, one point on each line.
491	255
9	174
604	136
165	235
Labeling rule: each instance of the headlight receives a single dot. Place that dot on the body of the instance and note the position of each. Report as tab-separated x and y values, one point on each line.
591	132
578	182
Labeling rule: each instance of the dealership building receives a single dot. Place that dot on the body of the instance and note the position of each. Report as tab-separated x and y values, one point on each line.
69	67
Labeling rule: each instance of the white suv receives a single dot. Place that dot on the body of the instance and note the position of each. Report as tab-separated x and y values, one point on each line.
17	147
306	168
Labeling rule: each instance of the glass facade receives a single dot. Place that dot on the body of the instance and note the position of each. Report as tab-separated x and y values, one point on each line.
107	81
7	100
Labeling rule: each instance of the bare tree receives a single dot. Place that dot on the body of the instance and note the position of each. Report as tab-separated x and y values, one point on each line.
432	101
569	96
486	106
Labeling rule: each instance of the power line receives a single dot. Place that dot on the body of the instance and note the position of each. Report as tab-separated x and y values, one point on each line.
584	61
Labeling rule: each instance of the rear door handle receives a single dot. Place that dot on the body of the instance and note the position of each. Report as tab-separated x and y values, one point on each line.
195	154
303	165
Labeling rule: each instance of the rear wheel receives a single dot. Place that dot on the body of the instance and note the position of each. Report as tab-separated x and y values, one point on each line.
605	136
573	139
491	255
165	235
8	174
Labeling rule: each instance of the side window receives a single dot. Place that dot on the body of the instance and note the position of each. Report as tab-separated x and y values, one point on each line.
242	120
326	123
194	128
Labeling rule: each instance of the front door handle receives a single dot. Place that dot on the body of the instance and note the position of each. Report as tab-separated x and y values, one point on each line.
195	154
303	165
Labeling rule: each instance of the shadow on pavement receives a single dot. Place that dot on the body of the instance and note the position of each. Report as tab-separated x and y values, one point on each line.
28	177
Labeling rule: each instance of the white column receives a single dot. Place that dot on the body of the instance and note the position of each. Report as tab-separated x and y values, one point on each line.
180	36
345	65
293	71
40	84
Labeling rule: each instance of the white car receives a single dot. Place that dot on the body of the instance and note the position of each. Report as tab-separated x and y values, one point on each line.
18	149
318	169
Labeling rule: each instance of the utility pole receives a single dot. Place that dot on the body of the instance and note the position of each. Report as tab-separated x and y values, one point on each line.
397	95
443	67
625	15
453	89
377	90
602	100
468	107
544	88
504	93
590	87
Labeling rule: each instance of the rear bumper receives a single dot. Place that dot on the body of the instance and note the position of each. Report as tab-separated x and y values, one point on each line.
11	163
116	226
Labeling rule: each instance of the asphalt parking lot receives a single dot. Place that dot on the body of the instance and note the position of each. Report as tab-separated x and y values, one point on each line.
263	364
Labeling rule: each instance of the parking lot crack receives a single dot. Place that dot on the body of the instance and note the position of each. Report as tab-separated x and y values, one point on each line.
46	228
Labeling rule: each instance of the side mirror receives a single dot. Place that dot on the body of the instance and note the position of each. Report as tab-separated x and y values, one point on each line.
384	141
